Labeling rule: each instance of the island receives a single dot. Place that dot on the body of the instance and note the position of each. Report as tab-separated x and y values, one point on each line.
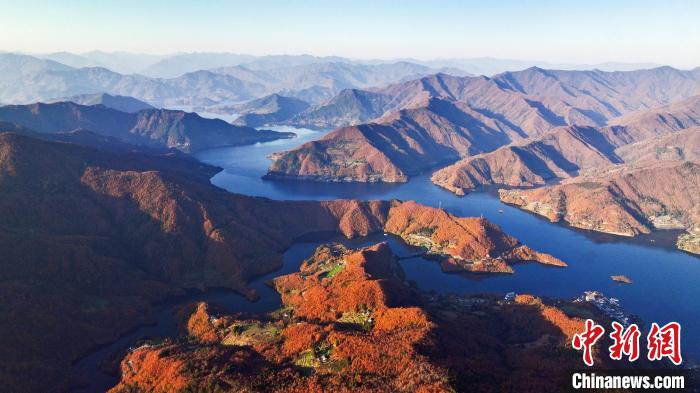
621	279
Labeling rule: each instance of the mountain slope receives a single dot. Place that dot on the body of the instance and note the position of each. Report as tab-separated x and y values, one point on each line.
350	312
608	94
349	107
91	239
154	127
680	145
399	145
512	106
625	201
120	103
27	79
268	110
555	155
560	154
659	121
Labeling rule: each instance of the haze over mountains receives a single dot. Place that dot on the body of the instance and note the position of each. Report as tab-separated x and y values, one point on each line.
173	65
120	103
204	79
272	109
27	79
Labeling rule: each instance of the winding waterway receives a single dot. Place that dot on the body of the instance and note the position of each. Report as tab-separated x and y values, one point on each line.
665	281
665	284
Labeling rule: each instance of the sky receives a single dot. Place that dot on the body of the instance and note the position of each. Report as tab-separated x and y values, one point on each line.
585	32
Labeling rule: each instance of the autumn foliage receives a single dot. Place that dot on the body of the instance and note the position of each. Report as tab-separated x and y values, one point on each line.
351	323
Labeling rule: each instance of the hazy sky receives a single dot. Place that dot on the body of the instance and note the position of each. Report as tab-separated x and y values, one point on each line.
589	31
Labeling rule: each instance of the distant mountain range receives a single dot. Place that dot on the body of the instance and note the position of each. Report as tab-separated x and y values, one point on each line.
27	79
442	118
122	62
317	81
174	65
491	66
158	128
205	79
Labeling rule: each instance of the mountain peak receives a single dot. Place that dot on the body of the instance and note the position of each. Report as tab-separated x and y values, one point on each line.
118	102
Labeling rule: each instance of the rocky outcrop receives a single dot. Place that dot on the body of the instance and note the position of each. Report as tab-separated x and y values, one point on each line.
621	279
690	241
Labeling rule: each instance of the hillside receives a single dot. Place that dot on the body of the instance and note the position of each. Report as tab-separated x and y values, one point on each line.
399	145
349	107
268	110
350	322
480	114
659	121
559	154
120	103
566	152
680	145
158	128
92	238
628	200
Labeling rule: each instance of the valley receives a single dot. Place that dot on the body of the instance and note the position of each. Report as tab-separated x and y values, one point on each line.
524	129
591	257
372	196
171	208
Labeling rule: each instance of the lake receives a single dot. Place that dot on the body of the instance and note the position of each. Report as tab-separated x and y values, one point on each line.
665	280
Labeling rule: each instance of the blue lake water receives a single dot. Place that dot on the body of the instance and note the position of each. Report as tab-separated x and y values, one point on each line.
665	284
665	281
